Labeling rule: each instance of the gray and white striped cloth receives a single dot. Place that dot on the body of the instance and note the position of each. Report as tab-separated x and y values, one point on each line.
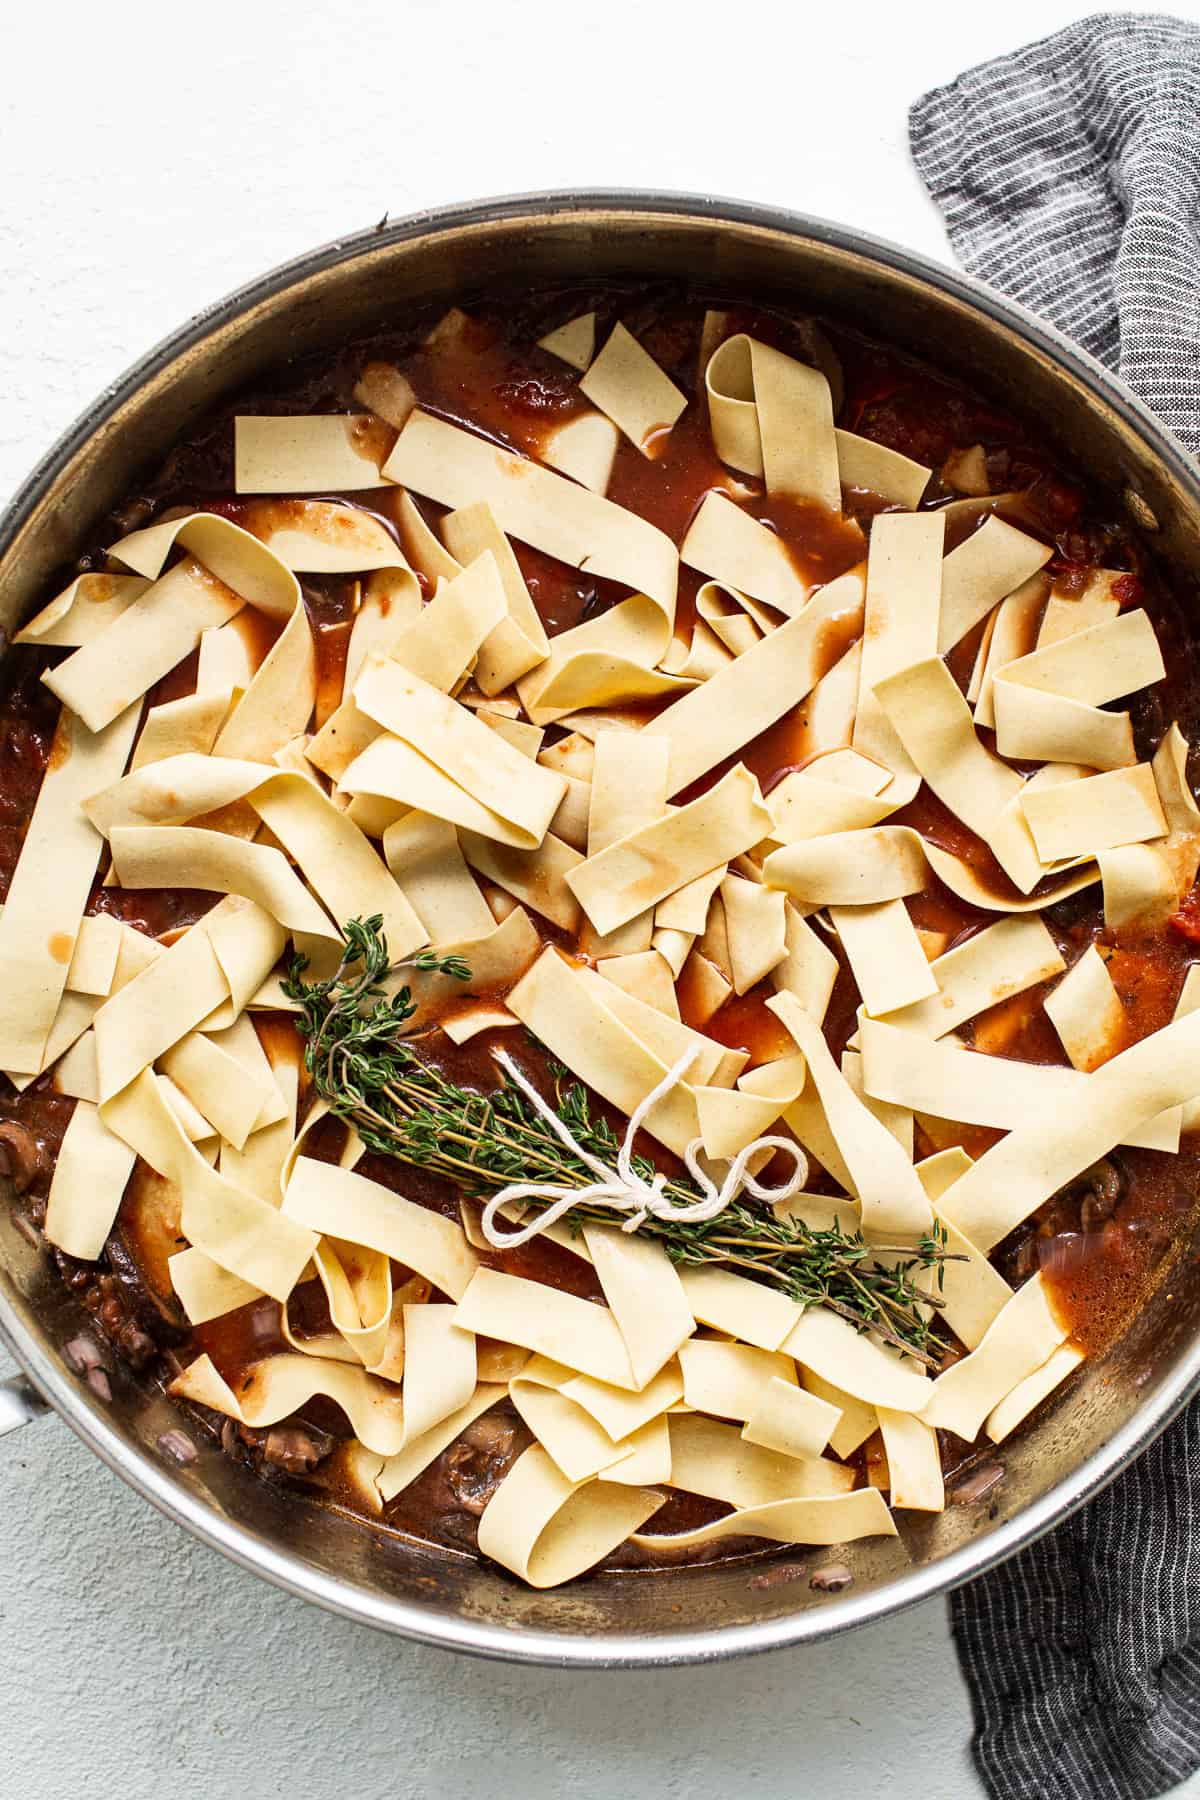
1069	175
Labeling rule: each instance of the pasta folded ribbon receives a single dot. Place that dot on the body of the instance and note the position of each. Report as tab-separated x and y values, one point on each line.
553	514
547	1529
280	1385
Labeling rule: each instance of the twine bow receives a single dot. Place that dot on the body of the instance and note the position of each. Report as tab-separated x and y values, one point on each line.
622	1188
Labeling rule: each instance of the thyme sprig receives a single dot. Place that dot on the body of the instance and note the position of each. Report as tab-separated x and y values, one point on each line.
402	1105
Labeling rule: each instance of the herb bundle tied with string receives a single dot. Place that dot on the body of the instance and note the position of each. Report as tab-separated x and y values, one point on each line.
371	1073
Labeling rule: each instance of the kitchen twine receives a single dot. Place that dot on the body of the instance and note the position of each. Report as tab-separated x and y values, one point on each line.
622	1188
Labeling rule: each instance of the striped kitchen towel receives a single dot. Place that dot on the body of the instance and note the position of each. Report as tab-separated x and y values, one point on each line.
1069	175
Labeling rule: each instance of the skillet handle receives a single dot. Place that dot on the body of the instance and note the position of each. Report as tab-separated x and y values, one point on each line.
19	1403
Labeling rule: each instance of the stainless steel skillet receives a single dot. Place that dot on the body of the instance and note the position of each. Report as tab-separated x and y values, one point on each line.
349	288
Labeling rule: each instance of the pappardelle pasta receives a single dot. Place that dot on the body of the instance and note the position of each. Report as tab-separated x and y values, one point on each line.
598	910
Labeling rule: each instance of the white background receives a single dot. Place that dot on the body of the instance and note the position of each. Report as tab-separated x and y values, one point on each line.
155	157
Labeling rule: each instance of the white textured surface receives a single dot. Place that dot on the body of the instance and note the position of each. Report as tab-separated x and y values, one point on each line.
155	157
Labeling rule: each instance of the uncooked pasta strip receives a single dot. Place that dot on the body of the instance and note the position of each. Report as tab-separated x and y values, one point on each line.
547	1529
830	1347
624	879
1044	1153
884	1179
926	709
222	1089
204	1289
168	999
549	1321
821	1519
850	868
439	1367
442	642
495	960
277	705
537	877
571	1437
773	416
862	463
663	1035
647	1458
543	509
347	1205
1140	883
325	537
900	627
898	1119
234	556
90	1173
402	1469
280	1385
756	689
259	1167
952	1082
802	805
103	678
1015	1344
1068	613
174	789
43	913
85	608
389	603
573	1018
1086	1011
788	1419
1103	662
715	1460
733	548
985	568
93	964
179	727
809	968
737	620
1020	1401
621	1411
501	782
687	908
962	880
574	342
518	642
914	1462
1002	960
1006	636
338	861
247	1236
1081	818
885	955
184	855
423	854
747	1310
643	1289
730	1120
728	1380
358	1290
626	384
1034	726
972	1294
316	453
857	1420
605	660
756	929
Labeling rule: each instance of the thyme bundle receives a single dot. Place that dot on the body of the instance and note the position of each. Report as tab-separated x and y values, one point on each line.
402	1105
